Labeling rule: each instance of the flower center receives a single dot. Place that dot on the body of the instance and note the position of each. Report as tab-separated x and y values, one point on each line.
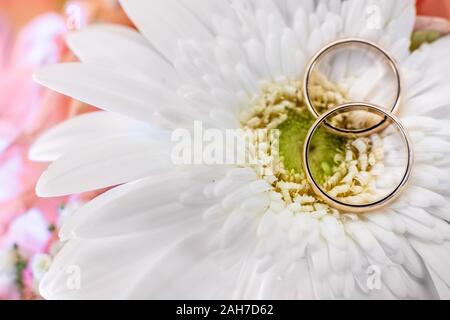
344	167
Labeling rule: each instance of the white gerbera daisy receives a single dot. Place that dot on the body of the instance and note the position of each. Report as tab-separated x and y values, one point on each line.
226	231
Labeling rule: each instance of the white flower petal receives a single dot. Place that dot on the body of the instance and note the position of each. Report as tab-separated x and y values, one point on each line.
116	47
165	22
85	129
436	258
113	91
102	165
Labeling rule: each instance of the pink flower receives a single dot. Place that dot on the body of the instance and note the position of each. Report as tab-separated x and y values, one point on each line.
27	236
433	15
26	109
30	232
19	13
38	44
434	8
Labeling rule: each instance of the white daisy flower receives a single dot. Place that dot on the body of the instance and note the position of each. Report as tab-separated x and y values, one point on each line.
228	232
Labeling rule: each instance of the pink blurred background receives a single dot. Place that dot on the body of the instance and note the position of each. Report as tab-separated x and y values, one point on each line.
32	35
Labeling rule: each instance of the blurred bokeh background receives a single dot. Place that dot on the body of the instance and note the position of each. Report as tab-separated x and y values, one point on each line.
32	34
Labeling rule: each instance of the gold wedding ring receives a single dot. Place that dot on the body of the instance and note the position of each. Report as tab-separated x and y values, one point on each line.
352	41
358	208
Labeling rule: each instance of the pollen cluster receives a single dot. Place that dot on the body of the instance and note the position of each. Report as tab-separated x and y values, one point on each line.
346	168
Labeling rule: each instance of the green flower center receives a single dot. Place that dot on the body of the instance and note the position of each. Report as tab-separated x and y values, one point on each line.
342	166
324	146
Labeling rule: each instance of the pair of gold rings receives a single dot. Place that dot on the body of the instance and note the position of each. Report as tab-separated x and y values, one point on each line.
386	118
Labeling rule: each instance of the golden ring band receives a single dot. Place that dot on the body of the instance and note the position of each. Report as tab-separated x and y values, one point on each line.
363	207
307	78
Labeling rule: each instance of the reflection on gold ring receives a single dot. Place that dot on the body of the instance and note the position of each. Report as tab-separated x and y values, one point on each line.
307	78
363	207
